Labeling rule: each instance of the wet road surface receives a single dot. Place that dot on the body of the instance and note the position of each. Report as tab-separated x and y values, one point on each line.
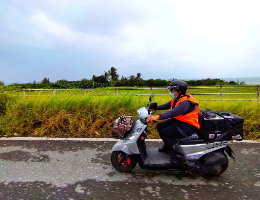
67	169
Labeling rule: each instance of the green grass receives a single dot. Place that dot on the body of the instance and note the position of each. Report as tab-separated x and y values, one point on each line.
56	116
197	92
93	116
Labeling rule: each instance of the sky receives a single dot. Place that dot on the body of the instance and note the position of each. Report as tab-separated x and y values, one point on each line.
76	39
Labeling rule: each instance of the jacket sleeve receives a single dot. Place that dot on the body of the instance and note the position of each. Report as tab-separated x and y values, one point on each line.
164	106
181	109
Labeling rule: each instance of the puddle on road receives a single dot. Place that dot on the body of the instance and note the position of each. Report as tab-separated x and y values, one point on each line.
18	156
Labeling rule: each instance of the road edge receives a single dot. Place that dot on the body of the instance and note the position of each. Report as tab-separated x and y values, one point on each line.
90	139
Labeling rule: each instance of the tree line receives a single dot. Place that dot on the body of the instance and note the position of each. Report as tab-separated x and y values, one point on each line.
111	79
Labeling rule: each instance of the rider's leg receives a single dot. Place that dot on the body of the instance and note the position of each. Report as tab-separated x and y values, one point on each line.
177	155
160	126
169	136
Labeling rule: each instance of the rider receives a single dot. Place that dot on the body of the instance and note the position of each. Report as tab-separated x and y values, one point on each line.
182	120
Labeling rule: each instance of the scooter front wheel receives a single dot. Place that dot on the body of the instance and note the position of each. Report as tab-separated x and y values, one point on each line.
122	162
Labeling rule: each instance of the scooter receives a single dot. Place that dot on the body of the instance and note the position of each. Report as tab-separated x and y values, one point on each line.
204	156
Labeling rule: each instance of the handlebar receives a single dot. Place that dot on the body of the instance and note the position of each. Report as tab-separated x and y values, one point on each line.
153	106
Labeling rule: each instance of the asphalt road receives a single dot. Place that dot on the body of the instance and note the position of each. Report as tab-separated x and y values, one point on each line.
69	169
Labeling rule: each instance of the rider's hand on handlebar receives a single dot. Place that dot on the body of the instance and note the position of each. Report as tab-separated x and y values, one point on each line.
152	118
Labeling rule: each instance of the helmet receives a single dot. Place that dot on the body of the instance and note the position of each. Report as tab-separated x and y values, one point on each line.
178	85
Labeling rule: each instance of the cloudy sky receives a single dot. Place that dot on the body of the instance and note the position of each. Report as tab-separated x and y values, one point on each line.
75	39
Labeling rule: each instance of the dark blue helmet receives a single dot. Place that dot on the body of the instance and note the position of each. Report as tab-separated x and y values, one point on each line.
178	85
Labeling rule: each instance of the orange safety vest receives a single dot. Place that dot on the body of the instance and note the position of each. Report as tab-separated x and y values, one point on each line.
192	117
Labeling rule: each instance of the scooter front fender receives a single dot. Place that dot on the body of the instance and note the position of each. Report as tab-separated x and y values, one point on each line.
120	146
128	147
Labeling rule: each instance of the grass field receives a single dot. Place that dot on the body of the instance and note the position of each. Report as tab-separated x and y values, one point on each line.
90	115
213	92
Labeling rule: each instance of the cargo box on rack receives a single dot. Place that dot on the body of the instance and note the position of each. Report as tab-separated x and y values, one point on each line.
215	123
234	126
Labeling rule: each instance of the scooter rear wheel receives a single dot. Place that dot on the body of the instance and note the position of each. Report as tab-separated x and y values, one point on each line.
122	162
216	169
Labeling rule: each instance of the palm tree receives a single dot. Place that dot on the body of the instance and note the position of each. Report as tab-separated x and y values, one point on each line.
138	77
113	74
106	75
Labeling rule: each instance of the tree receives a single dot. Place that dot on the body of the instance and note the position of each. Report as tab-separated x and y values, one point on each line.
100	79
131	80
160	82
124	81
150	82
2	83
191	83
84	83
138	78
62	81
106	75
232	83
34	84
113	74
45	81
241	83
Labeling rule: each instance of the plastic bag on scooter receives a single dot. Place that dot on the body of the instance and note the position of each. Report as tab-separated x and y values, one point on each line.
122	125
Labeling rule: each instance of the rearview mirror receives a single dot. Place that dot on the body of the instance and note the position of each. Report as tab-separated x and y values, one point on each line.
151	97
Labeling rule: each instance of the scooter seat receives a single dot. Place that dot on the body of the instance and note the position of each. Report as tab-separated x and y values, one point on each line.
193	139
